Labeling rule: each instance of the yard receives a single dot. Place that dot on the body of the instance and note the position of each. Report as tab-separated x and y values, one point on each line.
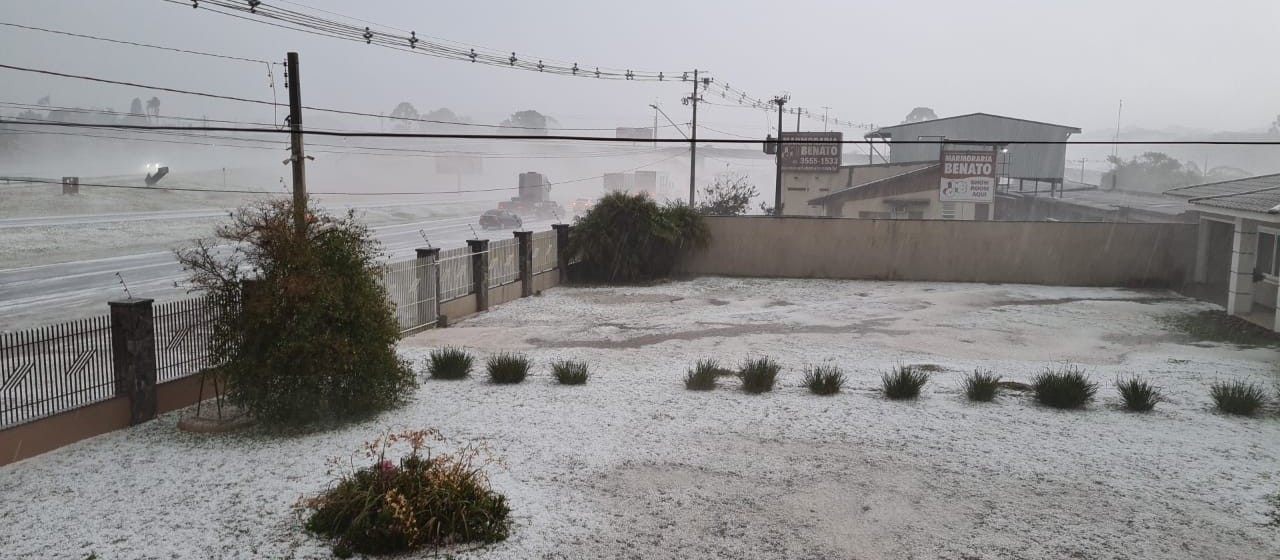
632	465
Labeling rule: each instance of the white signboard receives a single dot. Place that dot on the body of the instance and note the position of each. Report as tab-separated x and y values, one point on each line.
968	177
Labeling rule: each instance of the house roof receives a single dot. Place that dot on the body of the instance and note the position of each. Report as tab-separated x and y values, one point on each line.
846	191
883	129
1259	194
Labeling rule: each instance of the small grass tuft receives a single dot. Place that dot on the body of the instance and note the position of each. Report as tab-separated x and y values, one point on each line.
570	372
1138	394
506	368
903	382
758	374
450	363
981	386
1217	326
703	376
824	380
1238	397
1065	387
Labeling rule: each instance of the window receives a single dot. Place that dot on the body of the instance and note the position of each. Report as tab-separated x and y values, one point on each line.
1267	261
949	210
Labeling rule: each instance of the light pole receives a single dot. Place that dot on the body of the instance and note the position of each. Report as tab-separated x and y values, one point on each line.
673	123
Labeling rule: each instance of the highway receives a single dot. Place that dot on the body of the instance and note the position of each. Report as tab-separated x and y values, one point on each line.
46	294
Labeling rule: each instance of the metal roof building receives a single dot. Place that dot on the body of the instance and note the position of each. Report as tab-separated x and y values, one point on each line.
1022	161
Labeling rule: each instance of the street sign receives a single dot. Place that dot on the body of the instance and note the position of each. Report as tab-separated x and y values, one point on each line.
968	176
813	152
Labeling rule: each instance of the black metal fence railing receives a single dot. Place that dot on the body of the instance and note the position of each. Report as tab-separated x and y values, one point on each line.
183	330
52	369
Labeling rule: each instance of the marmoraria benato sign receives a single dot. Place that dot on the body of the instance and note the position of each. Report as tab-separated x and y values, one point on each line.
968	177
815	152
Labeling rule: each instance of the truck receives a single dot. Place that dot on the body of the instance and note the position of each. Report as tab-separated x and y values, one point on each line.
533	198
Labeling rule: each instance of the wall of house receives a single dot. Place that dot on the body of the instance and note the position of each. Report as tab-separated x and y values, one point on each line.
1044	161
1070	254
799	188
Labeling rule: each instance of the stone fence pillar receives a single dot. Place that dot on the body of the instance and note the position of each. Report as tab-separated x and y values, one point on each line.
480	271
562	250
133	351
525	241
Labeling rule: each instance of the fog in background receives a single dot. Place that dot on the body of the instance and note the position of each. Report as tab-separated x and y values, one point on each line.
1185	70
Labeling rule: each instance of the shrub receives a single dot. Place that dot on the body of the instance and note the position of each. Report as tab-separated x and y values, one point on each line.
300	324
1067	387
630	238
981	386
1238	397
569	372
422	500
1138	395
450	363
703	375
507	368
903	382
824	380
758	374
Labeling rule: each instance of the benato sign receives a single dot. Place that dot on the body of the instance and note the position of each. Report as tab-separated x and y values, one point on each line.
811	151
968	177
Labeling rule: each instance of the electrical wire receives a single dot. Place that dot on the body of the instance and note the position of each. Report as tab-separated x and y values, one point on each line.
133	43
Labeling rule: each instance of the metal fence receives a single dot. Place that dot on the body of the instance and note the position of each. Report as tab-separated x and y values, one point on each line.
411	288
183	330
544	251
455	273
504	262
52	369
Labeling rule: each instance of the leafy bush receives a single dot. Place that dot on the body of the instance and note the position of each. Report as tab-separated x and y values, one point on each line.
301	326
1138	395
703	375
981	386
1238	397
903	382
824	380
569	372
507	368
1066	387
450	363
422	500
758	374
630	238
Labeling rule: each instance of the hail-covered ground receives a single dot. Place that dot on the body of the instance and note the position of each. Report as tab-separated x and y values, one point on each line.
631	465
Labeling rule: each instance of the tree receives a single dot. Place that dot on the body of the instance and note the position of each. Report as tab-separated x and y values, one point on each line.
528	121
1152	171
153	108
135	108
630	238
302	330
920	114
728	195
403	115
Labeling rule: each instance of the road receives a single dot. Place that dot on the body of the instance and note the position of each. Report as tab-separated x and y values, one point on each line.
47	294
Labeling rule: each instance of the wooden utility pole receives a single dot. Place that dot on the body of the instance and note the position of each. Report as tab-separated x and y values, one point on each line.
693	139
798	111
298	157
777	192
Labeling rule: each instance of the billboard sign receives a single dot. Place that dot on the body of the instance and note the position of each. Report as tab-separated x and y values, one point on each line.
968	176
813	152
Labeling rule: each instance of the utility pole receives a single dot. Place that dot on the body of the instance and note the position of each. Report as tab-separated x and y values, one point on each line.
777	188
655	124
824	118
295	138
1082	160
693	138
798	111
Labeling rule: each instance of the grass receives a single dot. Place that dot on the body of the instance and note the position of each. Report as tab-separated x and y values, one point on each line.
1138	395
824	380
903	382
1065	387
1217	326
981	386
1238	397
703	375
450	363
506	368
570	372
758	374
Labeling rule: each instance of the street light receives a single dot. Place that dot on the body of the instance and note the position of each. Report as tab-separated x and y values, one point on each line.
673	124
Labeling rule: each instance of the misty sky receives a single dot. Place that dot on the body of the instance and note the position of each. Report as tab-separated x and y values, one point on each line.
1184	63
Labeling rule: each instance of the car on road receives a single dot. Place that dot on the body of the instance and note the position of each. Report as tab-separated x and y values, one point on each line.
499	219
581	205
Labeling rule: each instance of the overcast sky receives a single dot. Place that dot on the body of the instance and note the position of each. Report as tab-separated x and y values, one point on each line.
1186	63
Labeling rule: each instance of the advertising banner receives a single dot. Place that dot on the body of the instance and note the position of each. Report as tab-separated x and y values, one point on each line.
968	176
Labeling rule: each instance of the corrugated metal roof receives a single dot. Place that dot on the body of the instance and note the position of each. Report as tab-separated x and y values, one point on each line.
970	115
823	199
1252	194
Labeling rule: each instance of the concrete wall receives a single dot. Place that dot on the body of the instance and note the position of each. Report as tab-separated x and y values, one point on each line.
44	435
1070	254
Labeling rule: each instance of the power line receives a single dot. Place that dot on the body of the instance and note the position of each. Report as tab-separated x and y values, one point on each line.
135	44
550	137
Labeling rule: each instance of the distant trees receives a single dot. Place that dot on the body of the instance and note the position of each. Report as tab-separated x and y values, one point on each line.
135	108
403	116
920	114
529	121
1157	171
728	195
153	108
